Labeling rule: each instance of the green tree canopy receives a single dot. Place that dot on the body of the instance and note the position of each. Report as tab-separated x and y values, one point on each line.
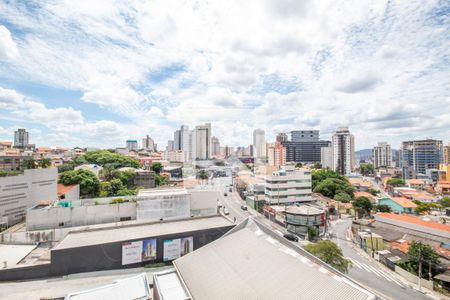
45	163
157	167
298	165
105	157
30	163
330	253
396	182
329	187
160	180
383	208
343	197
445	202
89	184
66	167
420	252
362	205
320	175
202	174
373	191
366	169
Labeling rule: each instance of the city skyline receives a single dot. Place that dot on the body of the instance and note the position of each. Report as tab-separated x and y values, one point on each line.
97	74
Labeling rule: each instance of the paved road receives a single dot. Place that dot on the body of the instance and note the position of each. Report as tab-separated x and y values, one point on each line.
370	273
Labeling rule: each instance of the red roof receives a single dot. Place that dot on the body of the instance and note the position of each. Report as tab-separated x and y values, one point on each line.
403	202
414	220
63	189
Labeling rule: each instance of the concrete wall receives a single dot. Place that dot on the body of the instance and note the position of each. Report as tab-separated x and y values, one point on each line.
23	273
413	278
204	203
73	194
61	217
18	193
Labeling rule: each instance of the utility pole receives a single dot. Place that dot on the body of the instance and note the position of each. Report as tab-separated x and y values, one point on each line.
420	269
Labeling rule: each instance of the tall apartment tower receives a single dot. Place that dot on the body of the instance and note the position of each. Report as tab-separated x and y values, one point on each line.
148	143
131	145
21	138
305	146
282	137
343	147
259	143
215	146
382	155
447	154
276	154
326	157
421	155
182	140
304	135
202	138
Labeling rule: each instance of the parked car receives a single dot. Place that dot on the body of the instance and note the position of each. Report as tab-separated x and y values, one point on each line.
225	194
290	237
219	204
225	211
243	207
230	190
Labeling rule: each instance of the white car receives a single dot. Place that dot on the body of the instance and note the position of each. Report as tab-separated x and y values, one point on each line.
225	211
219	204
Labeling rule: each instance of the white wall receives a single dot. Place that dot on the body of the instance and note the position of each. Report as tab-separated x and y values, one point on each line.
204	203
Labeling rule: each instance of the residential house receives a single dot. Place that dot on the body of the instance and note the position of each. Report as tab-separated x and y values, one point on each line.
398	204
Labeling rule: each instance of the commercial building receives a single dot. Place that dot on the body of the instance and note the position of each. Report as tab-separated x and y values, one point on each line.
170	145
215	146
21	192
343	144
148	144
421	155
253	262
276	154
382	155
173	156
202	139
301	218
259	143
21	138
282	137
305	146
131	145
288	185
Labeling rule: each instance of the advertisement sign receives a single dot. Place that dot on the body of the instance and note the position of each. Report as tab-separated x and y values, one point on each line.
173	249
131	253
149	249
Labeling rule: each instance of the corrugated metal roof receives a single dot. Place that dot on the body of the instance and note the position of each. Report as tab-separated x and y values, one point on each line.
251	262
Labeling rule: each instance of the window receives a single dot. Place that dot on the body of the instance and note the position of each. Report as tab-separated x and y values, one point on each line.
61	224
125	219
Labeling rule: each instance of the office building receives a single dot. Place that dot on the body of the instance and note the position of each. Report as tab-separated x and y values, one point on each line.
343	144
282	137
421	155
215	146
131	145
183	140
326	157
170	145
305	146
202	137
447	154
259	143
304	135
288	185
21	138
382	155
276	154
21	192
148	144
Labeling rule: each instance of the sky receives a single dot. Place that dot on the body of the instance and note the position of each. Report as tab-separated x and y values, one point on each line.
95	73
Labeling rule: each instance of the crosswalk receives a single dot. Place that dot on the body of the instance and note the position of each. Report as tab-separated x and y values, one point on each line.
378	272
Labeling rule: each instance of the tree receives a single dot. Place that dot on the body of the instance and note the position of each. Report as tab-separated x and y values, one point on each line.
362	205
366	169
298	165
330	253
320	175
89	184
45	163
157	167
312	233
29	163
332	186
383	208
220	163
422	253
160	180
317	165
395	182
373	191
342	197
202	174
445	202
105	157
66	167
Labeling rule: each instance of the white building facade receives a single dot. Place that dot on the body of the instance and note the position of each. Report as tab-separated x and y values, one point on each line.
288	185
326	157
259	143
382	155
343	144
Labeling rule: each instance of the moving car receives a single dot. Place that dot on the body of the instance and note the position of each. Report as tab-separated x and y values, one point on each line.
243	207
219	204
225	211
290	237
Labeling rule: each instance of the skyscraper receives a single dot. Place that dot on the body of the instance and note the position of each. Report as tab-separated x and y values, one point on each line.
171	145
382	155
447	154
282	137
304	135
182	140
202	138
421	155
215	146
259	143
304	146
148	143
131	145
21	138
276	154
343	147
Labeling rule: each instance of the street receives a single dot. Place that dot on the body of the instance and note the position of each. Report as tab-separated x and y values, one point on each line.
369	273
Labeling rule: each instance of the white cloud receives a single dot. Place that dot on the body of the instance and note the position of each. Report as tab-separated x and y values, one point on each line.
8	48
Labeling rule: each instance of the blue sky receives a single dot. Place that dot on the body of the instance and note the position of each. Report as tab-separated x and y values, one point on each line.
95	73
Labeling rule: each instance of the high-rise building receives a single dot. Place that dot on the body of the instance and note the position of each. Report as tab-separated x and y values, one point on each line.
447	154
282	137
21	138
421	155
226	151
215	146
177	140
259	143
382	155
343	144
202	139
131	145
288	186
276	154
326	157
305	146
182	140
170	145
148	144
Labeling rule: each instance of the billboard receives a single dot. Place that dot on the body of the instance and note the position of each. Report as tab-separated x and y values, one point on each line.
148	249
131	252
173	249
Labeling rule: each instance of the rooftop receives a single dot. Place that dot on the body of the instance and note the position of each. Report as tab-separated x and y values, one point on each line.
403	202
413	220
62	189
138	231
162	192
303	210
